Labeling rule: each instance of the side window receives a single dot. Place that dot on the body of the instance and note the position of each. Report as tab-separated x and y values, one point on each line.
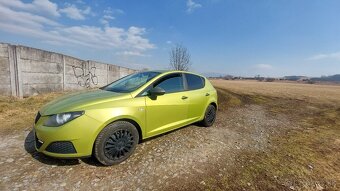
194	82
171	83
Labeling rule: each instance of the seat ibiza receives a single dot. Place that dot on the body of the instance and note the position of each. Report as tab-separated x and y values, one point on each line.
109	122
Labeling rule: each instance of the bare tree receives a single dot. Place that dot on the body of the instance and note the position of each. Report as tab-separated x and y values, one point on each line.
179	58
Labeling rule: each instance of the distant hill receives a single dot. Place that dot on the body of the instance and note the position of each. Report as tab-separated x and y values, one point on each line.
212	74
334	78
295	78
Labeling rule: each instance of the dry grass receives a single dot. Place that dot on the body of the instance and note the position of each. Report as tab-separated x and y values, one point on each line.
329	94
303	157
19	113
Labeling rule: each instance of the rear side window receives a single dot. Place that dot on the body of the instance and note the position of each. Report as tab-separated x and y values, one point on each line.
171	83
194	82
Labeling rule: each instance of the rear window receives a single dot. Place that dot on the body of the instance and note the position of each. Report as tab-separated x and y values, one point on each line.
194	82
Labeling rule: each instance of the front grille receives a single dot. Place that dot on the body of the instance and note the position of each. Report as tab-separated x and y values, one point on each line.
38	144
63	147
37	118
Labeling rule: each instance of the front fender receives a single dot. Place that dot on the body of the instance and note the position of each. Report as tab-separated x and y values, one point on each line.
108	116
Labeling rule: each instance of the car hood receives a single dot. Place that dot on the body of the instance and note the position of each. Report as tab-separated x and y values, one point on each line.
79	101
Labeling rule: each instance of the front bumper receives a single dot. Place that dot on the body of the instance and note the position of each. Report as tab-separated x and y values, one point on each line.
72	140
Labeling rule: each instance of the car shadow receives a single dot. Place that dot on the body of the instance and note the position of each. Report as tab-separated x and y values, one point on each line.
29	146
171	131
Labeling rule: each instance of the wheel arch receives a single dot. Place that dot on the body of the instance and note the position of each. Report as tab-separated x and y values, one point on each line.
140	134
125	118
214	104
98	152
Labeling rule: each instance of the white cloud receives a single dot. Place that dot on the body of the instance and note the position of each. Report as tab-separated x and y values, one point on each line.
263	66
87	10
131	53
47	6
24	19
105	20
41	6
332	56
191	6
130	41
118	11
109	15
110	11
135	39
169	42
73	12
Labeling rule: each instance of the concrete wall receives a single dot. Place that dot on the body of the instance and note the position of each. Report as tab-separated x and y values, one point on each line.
5	77
26	71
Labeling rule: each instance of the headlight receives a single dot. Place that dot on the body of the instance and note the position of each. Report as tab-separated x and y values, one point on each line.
62	118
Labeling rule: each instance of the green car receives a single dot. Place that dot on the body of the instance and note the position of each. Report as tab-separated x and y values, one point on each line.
109	122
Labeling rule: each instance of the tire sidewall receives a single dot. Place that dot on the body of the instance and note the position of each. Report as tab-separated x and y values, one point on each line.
206	123
106	133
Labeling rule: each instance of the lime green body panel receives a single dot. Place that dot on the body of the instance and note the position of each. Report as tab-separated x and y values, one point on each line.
79	131
151	116
78	101
165	113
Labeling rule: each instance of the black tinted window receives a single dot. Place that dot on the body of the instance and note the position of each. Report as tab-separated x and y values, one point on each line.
194	82
171	83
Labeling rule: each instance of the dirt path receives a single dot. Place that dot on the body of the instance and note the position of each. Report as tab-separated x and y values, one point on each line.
179	160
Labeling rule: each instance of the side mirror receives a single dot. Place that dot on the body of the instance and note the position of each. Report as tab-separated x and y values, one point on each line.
157	91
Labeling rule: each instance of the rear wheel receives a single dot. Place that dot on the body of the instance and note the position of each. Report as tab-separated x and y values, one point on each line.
115	143
209	116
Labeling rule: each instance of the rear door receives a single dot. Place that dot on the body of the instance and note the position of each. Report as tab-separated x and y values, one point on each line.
168	111
197	96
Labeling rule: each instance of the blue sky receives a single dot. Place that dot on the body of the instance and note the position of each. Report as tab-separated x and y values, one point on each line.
238	37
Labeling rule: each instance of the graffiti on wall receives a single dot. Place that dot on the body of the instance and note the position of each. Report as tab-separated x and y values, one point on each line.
86	75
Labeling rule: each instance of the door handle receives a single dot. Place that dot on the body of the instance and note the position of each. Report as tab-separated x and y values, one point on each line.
184	97
207	94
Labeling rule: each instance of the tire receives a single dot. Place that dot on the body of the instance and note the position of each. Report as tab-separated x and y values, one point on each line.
209	116
115	143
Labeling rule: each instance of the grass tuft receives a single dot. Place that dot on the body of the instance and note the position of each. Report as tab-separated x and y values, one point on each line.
18	114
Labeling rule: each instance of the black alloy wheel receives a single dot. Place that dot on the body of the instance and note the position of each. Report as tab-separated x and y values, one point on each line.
210	116
115	143
118	144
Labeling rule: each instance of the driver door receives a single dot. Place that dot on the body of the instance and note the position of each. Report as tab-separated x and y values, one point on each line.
169	111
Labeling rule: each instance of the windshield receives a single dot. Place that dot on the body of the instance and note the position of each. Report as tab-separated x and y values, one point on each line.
131	82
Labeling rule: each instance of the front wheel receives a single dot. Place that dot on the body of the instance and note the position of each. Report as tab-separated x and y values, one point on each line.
115	143
209	116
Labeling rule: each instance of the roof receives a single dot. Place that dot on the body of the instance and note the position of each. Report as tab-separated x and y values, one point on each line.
173	71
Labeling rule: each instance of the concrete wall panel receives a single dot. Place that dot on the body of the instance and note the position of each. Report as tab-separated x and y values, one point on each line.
41	78
29	53
123	72
33	71
73	87
113	73
5	89
34	89
71	61
3	50
4	79
41	67
5	75
4	65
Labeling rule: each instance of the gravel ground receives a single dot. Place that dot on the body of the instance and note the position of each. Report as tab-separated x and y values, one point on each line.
180	160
